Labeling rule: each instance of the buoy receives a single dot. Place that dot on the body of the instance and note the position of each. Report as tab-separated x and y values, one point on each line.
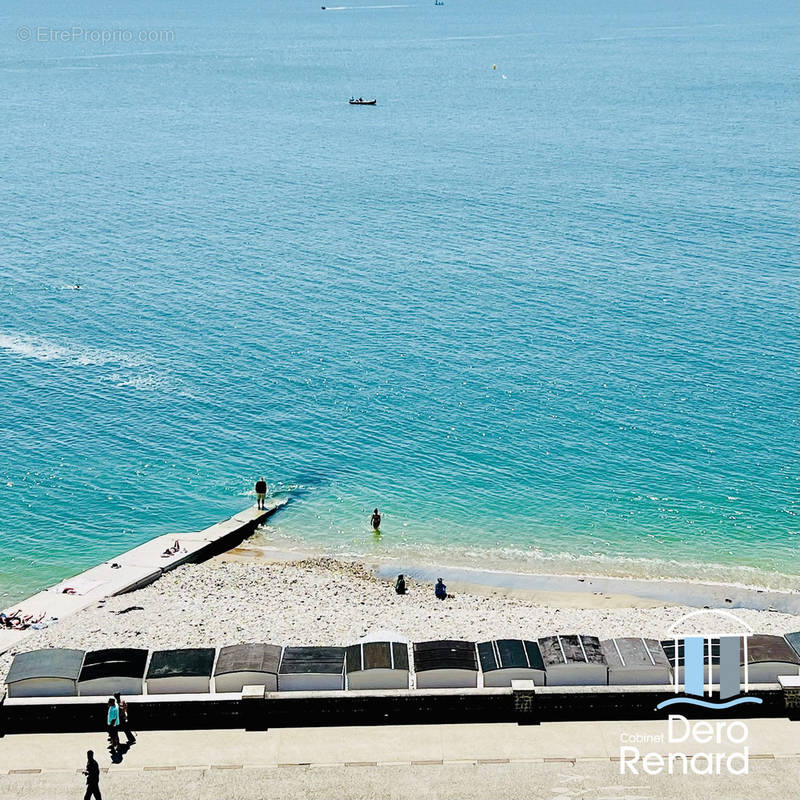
494	66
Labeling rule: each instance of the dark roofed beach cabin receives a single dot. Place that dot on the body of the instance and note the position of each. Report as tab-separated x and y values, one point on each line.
114	670
445	664
573	661
377	665
669	649
186	671
242	665
506	660
793	640
305	669
636	661
767	658
51	672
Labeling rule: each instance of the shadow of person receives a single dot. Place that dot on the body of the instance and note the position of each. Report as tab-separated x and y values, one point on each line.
118	753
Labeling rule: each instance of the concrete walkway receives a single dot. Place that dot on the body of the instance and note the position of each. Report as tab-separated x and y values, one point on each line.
564	760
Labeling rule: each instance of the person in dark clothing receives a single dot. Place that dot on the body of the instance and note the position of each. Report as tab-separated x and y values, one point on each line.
400	585
261	493
92	773
122	707
441	590
376	520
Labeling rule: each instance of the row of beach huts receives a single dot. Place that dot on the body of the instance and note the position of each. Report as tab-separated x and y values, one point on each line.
570	660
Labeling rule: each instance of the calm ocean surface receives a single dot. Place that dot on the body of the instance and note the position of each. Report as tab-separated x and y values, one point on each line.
544	315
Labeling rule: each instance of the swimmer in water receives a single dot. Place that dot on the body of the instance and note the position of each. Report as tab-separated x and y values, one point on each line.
376	520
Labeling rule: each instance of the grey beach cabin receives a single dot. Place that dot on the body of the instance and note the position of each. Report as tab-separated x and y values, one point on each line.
305	669
377	665
186	671
573	661
113	670
242	665
51	672
636	661
445	664
767	658
506	660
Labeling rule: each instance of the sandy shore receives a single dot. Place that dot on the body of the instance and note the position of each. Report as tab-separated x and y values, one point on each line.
323	601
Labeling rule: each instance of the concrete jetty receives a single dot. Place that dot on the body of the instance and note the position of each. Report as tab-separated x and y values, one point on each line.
133	569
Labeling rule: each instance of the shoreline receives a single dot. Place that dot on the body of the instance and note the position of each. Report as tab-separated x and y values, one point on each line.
575	589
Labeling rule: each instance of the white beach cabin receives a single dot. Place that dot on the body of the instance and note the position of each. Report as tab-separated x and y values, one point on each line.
185	671
506	660
305	669
241	665
636	661
574	660
51	672
767	658
445	664
377	665
105	672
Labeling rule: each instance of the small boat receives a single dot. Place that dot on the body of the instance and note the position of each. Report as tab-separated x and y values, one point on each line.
361	102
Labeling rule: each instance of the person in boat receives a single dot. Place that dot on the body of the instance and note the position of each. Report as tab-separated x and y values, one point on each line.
375	520
400	584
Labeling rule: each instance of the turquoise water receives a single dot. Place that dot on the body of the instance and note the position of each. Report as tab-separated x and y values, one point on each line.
543	321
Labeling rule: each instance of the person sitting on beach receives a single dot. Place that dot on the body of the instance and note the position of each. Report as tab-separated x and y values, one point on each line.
261	493
375	520
171	550
400	584
441	590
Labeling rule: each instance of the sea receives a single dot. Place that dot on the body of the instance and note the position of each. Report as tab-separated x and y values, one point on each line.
539	304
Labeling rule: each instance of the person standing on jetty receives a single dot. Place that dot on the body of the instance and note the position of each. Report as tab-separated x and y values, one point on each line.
261	493
122	707
375	520
92	773
112	723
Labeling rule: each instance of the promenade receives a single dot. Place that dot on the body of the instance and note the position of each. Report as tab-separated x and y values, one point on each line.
556	760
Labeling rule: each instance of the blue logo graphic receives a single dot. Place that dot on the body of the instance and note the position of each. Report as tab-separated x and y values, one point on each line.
708	661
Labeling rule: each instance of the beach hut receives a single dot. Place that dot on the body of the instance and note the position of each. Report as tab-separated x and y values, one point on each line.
767	658
710	651
506	660
52	672
377	665
306	669
242	665
445	664
105	672
794	641
636	661
573	661
186	671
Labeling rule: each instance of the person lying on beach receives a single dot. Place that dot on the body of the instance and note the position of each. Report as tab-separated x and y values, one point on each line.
400	585
14	622
170	551
441	590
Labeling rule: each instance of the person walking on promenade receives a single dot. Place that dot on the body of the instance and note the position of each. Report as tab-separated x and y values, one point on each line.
261	493
92	773
122	707
375	520
112	723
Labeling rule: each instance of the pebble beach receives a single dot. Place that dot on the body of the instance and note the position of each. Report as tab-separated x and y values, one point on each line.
323	601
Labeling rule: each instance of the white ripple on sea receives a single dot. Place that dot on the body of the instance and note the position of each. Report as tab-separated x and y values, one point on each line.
41	349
